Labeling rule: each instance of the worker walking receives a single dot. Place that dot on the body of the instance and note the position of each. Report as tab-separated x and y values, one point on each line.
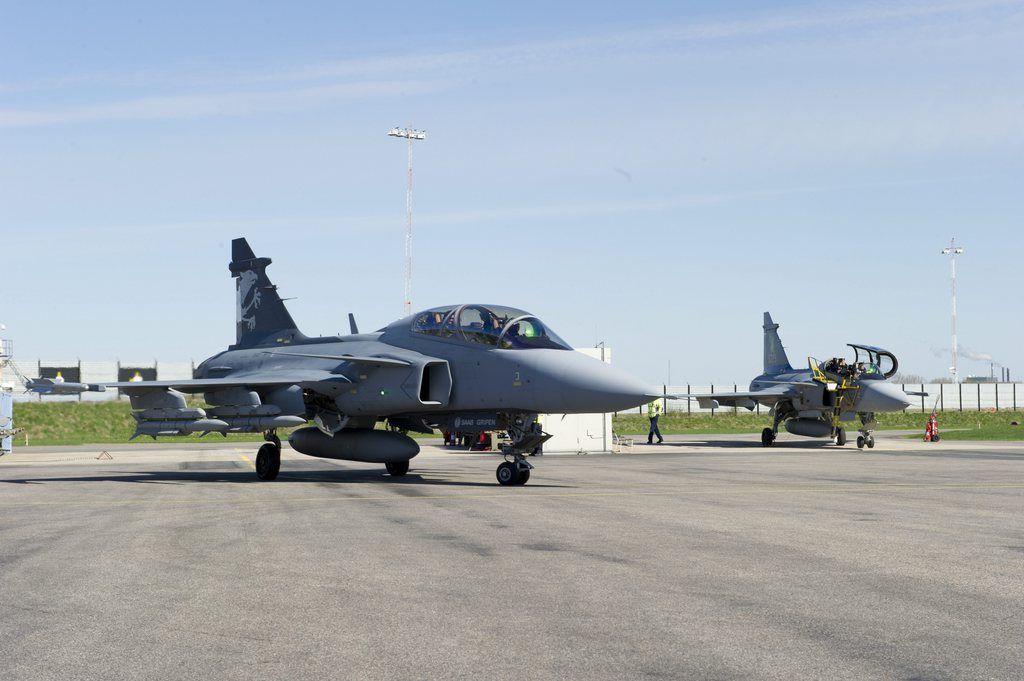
654	410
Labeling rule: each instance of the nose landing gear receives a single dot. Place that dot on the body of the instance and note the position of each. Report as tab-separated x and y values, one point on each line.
515	471
527	436
866	438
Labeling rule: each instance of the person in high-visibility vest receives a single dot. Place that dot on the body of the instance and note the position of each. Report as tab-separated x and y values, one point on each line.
654	410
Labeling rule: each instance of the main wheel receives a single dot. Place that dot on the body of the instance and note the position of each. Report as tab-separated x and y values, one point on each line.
871	442
507	474
268	461
935	438
524	475
767	437
397	468
841	437
860	442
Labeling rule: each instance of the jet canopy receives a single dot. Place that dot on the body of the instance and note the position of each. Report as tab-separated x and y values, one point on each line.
488	325
877	362
869	363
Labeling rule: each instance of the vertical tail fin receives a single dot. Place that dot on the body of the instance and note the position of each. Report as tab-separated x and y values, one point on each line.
775	359
261	318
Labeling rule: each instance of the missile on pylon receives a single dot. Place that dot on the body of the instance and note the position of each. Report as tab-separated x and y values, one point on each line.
48	386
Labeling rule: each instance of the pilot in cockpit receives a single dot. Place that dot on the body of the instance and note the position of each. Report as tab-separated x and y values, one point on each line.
491	324
429	322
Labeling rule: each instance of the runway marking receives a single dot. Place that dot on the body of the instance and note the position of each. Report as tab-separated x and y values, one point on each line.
871	488
246	459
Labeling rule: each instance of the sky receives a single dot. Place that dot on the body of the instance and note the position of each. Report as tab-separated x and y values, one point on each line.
653	176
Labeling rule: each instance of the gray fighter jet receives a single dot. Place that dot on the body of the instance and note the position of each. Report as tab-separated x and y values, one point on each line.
469	368
818	400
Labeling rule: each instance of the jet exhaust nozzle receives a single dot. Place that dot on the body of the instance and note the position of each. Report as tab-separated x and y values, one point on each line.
809	427
368	446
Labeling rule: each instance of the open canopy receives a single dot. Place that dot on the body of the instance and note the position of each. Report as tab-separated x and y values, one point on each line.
877	361
490	325
869	363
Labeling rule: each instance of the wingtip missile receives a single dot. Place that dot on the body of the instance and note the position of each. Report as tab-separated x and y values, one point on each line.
48	386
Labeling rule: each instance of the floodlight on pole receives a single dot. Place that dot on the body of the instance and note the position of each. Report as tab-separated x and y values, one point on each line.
953	251
411	135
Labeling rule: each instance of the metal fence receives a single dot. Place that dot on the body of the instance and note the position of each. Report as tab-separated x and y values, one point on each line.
941	397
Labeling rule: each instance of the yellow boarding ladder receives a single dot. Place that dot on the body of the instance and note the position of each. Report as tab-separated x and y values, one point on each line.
844	393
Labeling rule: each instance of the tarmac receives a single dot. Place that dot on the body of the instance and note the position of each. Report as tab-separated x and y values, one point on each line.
703	558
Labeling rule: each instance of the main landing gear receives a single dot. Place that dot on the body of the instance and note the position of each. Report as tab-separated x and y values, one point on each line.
397	469
779	414
268	458
840	437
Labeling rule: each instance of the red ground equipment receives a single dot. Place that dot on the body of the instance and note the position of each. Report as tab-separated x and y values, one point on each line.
931	431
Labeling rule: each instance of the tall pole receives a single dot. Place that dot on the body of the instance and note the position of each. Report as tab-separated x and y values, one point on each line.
953	251
408	236
410	135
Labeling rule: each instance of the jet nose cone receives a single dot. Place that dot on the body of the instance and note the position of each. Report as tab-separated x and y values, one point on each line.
591	387
880	397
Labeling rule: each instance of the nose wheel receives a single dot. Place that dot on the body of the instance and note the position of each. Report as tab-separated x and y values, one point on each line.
527	436
865	441
867	424
514	472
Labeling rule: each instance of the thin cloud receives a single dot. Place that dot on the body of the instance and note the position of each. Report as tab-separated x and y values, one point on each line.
377	221
647	39
372	222
238	103
650	41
